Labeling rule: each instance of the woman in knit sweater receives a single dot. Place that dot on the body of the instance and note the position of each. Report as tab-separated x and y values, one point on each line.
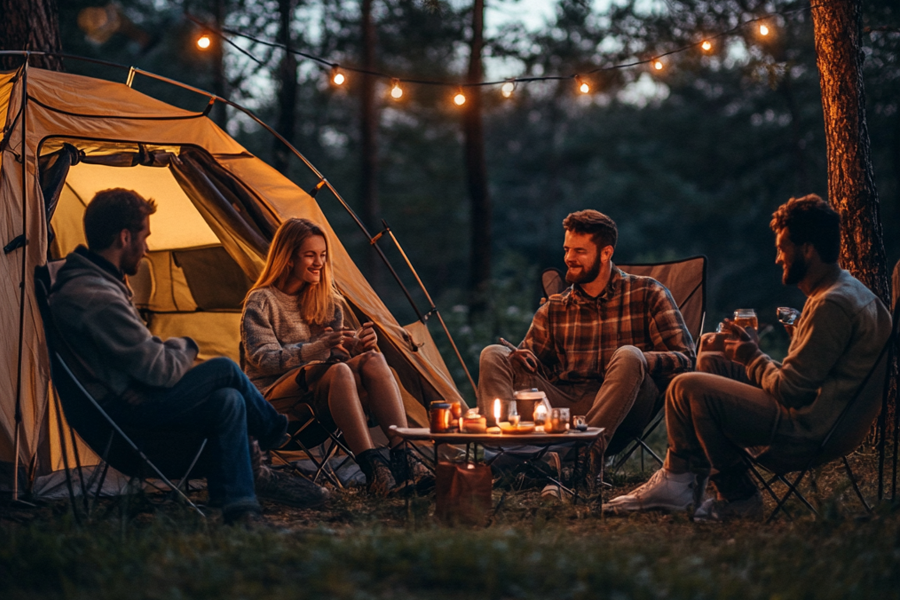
296	351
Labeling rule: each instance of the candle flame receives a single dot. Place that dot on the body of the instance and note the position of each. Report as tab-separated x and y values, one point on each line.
497	409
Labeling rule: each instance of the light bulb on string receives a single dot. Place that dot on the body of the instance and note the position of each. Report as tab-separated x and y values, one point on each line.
764	30
459	99
582	85
706	45
508	88
658	65
204	42
396	90
337	78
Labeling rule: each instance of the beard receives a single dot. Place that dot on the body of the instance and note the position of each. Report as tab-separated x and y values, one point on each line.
586	276
795	272
130	263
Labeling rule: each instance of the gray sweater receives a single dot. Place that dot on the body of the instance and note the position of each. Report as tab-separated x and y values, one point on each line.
92	310
275	339
837	339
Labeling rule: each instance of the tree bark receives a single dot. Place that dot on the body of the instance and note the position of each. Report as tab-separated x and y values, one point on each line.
287	87
851	182
30	25
476	172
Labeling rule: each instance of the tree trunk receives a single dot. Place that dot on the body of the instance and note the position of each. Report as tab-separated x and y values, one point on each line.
368	175
851	183
287	87
476	171
30	25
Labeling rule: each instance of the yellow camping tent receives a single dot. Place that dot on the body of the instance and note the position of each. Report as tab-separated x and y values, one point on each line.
65	137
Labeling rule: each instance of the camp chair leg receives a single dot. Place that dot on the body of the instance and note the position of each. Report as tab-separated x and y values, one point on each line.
855	486
65	453
767	485
84	491
185	480
792	489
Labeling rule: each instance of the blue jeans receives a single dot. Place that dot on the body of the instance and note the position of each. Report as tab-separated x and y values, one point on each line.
216	400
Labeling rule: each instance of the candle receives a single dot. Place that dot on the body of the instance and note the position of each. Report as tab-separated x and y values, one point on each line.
496	410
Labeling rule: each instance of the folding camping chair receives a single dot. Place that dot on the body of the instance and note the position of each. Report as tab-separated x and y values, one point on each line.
686	280
126	453
309	434
780	467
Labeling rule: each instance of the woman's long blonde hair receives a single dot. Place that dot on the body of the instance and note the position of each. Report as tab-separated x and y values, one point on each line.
317	302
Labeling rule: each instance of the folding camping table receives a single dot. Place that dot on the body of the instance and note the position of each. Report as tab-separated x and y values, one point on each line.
505	441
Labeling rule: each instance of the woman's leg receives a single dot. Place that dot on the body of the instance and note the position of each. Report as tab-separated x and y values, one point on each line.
379	393
347	411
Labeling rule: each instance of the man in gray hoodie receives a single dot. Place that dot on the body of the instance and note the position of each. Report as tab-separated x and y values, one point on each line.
741	398
146	383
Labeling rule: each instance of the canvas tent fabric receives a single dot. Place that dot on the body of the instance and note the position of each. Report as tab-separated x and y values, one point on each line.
65	137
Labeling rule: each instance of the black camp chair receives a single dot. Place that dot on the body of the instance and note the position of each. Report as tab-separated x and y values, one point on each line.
686	280
836	444
127	452
318	441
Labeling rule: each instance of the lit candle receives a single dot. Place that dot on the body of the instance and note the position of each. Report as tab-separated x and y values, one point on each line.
496	410
540	414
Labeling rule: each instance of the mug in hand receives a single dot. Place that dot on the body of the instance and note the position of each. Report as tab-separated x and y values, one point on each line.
746	317
787	315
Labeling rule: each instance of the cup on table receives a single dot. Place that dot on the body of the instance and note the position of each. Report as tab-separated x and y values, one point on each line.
579	422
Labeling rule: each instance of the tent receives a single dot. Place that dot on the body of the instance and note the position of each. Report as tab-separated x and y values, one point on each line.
66	137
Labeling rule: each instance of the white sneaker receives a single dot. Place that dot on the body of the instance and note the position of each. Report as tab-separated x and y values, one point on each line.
663	491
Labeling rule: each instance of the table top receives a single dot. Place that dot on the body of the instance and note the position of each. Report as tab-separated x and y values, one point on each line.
538	437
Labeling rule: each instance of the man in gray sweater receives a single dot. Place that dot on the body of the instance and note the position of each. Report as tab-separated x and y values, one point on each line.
148	384
741	398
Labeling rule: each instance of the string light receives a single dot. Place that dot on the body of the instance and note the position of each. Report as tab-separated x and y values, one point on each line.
582	85
507	87
337	78
396	90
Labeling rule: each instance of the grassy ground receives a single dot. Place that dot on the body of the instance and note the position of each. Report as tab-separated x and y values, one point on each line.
368	548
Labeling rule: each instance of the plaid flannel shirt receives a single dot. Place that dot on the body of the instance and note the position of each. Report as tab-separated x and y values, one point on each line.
574	335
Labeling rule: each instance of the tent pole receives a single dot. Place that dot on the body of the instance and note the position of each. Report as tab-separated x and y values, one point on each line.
432	306
18	413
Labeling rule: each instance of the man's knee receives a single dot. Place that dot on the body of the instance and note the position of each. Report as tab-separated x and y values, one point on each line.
494	355
628	357
231	404
682	390
711	362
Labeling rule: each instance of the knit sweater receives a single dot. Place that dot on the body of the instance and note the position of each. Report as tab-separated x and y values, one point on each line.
839	335
275	339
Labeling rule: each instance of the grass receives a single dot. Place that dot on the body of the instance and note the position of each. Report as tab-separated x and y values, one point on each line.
362	547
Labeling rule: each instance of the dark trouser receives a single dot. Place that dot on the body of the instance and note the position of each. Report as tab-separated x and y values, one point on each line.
711	415
217	400
624	399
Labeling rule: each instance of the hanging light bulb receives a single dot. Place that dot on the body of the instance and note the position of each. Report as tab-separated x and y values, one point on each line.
582	85
657	64
337	78
396	90
204	42
508	88
459	99
706	45
764	30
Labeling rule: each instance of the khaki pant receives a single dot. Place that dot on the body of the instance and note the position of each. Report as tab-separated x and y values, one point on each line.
624	401
711	415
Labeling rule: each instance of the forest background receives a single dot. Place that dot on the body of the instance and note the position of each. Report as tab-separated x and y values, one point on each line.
690	159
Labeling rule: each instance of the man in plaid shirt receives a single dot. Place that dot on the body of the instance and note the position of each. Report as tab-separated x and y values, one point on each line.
606	348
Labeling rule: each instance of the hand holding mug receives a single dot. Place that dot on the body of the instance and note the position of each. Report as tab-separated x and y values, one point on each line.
366	338
743	343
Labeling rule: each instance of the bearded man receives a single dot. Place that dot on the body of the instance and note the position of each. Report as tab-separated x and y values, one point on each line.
744	399
606	347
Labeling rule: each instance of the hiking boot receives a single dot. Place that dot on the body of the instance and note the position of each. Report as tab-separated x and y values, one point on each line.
245	519
719	510
409	470
664	491
379	479
290	490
